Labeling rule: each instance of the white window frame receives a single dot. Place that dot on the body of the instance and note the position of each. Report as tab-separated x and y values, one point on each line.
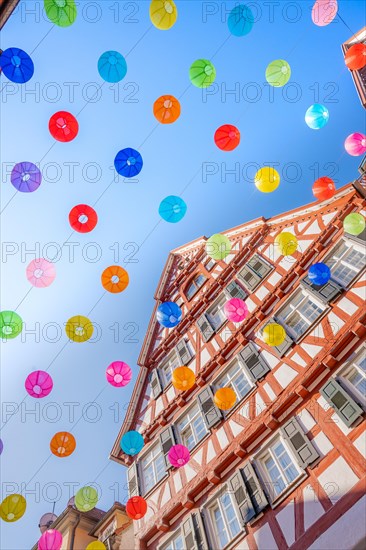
193	282
210	264
170	544
167	363
217	383
344	373
219	305
307	296
209	514
189	413
350	244
141	470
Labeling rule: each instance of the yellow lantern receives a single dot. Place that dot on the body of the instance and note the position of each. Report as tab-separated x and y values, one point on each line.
163	14
183	378
96	545
267	179
225	398
13	508
287	243
274	334
79	328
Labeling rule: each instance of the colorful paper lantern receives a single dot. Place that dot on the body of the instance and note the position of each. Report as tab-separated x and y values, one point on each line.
178	456
50	540
323	12
63	444
128	162
278	73
96	545
1	446
13	508
274	334
112	66
118	374
172	209
355	144
79	328
319	274
11	324
225	398
267	179
166	109
163	14
236	310
86	499
61	12
169	314
39	384
240	20
132	443
63	126
227	137
41	273
317	116
16	65
202	73
287	243
354	223
83	218
115	279
355	57
218	246
136	507
26	177
183	378
324	188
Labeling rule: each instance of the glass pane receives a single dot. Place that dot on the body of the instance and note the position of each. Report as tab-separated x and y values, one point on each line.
220	527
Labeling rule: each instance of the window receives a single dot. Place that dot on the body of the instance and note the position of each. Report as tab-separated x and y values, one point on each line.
192	427
181	355
279	468
355	376
168	366
254	272
175	544
236	379
224	520
346	261
195	285
300	313
152	468
210	265
215	314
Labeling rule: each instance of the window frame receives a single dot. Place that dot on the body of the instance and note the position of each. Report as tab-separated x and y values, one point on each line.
192	282
260	258
216	383
179	431
222	298
350	243
140	470
210	523
177	533
164	364
344	372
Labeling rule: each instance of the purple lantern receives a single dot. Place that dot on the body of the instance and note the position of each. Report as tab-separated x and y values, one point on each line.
178	456
50	540
26	177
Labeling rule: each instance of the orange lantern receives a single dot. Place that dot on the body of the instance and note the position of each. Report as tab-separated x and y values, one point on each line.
355	57
136	507
225	398
183	378
63	444
115	279
166	109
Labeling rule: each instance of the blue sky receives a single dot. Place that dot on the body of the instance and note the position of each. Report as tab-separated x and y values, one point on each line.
179	159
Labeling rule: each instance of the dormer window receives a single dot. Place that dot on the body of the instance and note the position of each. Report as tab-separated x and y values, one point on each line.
194	285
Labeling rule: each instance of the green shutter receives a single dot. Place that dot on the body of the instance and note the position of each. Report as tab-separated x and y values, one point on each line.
250	279
253	362
199	528
237	488
254	488
259	266
343	404
211	413
133	480
188	534
167	440
206	329
326	293
235	291
299	443
156	385
183	352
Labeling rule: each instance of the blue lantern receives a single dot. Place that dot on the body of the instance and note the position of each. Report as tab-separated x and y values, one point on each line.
132	442
240	20
172	209
16	65
169	314
128	162
317	116
319	274
112	66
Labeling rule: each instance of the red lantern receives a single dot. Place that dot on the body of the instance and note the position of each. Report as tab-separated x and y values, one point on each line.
324	188
136	507
63	126
83	218
227	137
355	57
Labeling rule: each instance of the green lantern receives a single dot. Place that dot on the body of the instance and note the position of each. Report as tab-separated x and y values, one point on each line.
10	324
354	223
86	499
218	246
278	73
202	73
61	12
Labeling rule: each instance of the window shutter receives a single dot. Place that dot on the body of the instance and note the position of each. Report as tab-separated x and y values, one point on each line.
259	266
167	440
286	344
239	492
133	481
183	352
326	292
254	488
155	384
200	532
211	413
361	238
235	291
188	534
299	443
343	404
254	363
206	329
250	279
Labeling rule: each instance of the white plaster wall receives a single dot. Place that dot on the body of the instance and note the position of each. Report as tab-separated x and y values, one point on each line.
337	479
286	520
284	374
264	538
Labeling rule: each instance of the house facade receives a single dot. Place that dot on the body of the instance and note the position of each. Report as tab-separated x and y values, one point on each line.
359	77
285	467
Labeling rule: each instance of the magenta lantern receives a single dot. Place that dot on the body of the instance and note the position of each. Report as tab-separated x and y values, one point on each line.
39	384
178	456
50	540
355	144
236	310
118	374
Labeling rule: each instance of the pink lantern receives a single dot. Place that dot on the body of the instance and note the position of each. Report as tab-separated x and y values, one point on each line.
236	310
50	540
41	273
324	11
355	144
39	384
178	456
118	374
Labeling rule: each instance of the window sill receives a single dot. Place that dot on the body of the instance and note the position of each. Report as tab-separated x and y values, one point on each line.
286	492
